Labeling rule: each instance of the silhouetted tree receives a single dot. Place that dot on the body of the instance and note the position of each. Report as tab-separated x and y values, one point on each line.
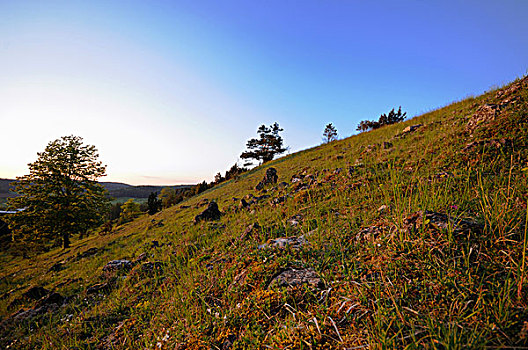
384	119
268	144
218	178
60	195
234	171
329	133
153	203
203	186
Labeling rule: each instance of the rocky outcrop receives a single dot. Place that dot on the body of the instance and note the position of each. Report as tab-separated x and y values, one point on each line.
484	114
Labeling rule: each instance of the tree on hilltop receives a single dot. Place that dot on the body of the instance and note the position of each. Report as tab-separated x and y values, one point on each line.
384	119
60	196
268	144
329	133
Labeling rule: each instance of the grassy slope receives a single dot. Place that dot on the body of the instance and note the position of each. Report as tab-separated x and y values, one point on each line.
421	288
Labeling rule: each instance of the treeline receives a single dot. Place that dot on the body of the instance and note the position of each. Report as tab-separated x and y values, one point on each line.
120	213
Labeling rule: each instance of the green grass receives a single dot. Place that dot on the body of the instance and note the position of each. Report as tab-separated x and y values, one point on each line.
408	286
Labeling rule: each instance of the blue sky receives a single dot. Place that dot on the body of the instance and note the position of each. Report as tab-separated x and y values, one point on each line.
170	92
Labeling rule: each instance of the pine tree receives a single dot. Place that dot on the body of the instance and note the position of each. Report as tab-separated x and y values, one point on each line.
329	133
268	144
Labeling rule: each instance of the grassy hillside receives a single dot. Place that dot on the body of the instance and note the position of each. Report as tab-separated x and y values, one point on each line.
392	239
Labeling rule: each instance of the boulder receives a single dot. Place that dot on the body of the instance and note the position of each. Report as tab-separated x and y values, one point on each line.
271	177
211	213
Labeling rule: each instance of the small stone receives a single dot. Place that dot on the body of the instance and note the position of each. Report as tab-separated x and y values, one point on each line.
296	277
141	257
411	128
249	231
97	288
116	265
383	208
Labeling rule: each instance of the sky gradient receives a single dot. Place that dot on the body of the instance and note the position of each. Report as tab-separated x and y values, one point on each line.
170	91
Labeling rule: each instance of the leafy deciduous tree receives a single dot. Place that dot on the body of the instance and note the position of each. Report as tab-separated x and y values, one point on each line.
130	211
60	195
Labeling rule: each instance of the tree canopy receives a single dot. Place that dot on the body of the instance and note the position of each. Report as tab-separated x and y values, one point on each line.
267	146
60	196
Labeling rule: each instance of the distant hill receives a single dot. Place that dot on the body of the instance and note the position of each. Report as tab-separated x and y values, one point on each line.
5	188
115	189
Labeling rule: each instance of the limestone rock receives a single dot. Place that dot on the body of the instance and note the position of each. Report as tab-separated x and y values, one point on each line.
484	114
271	177
296	277
285	242
117	265
411	128
211	213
